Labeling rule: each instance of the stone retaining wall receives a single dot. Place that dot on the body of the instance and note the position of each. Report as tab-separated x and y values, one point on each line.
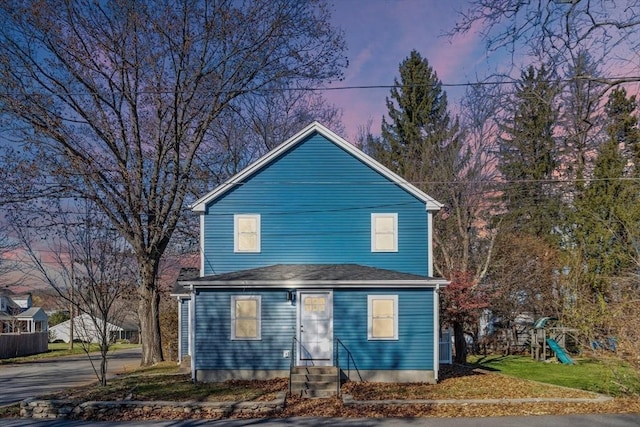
38	408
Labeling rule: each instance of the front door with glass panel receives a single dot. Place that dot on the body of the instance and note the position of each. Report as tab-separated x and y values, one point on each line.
315	328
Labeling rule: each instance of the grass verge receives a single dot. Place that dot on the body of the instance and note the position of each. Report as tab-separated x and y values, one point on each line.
62	349
610	376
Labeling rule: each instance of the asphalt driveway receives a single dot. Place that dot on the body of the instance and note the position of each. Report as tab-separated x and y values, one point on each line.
21	381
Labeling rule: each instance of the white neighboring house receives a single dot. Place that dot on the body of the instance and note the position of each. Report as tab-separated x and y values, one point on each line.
84	329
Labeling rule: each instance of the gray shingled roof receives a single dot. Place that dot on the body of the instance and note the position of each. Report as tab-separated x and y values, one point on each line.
312	274
32	312
186	273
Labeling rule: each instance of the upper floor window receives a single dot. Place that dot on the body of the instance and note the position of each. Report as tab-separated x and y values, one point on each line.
384	232
246	231
245	317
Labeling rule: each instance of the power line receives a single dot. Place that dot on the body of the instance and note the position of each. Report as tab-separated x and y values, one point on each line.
601	80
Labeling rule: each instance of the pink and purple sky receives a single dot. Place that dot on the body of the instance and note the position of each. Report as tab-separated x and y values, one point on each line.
380	34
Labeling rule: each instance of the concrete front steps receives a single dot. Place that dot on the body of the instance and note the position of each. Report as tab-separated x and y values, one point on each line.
314	381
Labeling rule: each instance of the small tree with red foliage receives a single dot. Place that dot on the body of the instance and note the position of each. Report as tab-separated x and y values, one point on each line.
462	304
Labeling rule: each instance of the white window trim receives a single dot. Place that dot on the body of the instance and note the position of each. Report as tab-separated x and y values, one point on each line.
257	298
374	217
237	217
370	299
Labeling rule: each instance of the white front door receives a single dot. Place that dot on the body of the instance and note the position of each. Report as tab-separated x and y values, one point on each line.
315	328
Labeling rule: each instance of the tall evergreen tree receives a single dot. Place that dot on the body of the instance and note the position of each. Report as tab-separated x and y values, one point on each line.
623	126
607	214
528	155
581	117
421	142
419	130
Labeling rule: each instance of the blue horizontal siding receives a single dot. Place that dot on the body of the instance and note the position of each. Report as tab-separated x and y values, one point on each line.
412	350
315	204
184	327
214	347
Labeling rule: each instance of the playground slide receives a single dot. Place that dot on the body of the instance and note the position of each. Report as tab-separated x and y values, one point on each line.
559	351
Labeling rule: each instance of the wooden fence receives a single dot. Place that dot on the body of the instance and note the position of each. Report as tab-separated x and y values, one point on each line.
22	344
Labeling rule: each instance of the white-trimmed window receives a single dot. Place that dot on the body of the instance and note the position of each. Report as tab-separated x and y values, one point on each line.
383	317
384	232
245	317
246	232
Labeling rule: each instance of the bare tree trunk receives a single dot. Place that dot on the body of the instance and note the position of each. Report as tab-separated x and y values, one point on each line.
460	343
104	350
71	320
103	367
149	314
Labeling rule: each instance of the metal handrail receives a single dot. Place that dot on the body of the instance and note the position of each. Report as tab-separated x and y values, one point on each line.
292	360
349	360
338	365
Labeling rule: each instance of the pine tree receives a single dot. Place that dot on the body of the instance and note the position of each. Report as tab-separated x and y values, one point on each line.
419	130
528	155
607	213
623	125
581	117
423	144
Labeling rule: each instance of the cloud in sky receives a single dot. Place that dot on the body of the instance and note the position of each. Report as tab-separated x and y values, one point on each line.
380	34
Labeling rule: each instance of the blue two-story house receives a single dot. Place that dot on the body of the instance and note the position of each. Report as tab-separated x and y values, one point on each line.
315	255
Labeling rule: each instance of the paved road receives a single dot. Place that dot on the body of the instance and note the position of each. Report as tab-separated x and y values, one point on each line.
533	421
20	381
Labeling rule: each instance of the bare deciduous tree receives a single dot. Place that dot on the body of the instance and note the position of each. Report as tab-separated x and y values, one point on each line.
253	125
113	101
523	278
87	263
7	263
559	29
465	231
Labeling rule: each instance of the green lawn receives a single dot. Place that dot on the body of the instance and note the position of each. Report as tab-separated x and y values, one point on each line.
62	349
608	377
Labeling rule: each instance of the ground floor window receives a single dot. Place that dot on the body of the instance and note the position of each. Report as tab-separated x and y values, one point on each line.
382	317
245	317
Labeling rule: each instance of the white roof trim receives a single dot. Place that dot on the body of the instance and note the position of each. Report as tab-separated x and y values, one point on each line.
335	284
200	204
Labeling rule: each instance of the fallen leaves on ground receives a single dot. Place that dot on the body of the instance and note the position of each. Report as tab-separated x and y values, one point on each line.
334	408
456	383
176	388
462	383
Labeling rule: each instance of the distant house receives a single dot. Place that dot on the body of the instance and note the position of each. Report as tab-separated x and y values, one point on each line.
316	255
6	322
18	316
130	330
24	301
33	319
23	328
84	329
